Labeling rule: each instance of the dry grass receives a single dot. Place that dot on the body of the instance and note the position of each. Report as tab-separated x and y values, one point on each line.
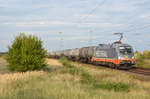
53	62
64	77
8	78
55	85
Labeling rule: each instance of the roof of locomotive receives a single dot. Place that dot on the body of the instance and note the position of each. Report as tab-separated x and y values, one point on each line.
121	44
113	45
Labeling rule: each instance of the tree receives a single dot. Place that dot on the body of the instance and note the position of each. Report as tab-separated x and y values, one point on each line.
26	53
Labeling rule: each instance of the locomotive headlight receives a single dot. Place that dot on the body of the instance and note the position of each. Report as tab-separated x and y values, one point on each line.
120	57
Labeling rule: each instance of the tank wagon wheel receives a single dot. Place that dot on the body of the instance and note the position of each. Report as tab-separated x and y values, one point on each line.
94	63
90	62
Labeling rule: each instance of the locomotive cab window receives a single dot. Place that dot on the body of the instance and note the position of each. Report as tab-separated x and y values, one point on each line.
125	50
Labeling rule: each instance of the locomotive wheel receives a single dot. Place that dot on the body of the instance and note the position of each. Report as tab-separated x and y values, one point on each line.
111	65
117	67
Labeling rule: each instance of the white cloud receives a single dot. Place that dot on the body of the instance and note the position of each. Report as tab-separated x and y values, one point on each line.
38	23
102	25
82	16
145	16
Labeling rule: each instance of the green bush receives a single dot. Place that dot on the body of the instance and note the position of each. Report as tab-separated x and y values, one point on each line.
26	53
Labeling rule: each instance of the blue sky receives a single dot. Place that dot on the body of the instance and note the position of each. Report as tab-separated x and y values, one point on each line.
75	19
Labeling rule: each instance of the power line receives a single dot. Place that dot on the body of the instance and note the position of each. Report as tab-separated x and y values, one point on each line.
144	27
92	11
100	4
134	25
148	25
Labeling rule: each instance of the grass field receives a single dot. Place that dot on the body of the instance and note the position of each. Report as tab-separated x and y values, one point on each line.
143	60
62	80
145	63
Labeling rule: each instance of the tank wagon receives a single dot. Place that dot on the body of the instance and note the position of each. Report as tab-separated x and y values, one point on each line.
116	55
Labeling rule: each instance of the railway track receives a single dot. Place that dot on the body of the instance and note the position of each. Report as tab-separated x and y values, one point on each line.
139	70
135	70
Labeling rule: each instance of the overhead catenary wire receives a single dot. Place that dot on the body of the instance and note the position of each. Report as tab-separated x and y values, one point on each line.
145	26
92	11
100	4
86	17
132	24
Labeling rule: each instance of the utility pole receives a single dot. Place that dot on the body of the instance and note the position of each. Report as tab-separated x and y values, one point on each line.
90	38
61	41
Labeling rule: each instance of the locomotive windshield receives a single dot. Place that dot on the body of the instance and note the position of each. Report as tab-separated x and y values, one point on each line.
125	50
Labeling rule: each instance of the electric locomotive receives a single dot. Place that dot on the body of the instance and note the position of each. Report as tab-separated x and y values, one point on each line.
117	54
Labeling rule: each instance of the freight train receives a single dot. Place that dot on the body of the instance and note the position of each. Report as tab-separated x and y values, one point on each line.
115	55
